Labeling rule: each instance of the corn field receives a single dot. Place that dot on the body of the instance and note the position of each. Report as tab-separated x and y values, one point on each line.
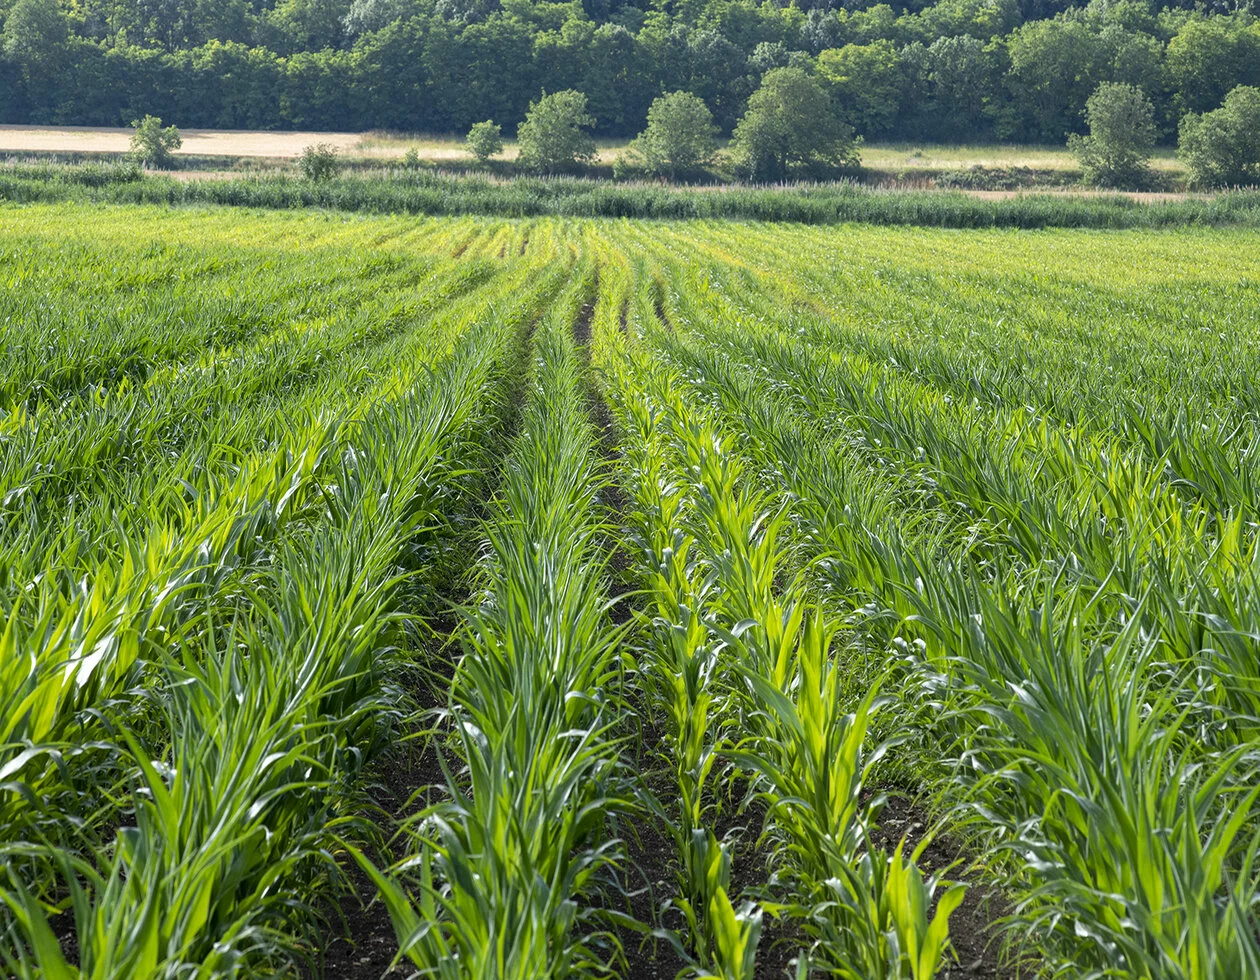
608	598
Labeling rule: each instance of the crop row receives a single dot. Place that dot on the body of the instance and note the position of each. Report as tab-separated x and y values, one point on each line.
732	533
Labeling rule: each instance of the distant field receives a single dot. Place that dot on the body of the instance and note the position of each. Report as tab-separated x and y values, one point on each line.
386	146
918	156
197	142
451	147
252	143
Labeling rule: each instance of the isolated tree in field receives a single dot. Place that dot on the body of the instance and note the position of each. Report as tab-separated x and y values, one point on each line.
1122	134
151	144
553	137
485	139
1222	147
790	122
679	136
319	162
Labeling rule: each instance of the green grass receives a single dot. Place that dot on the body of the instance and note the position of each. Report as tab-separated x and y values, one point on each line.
426	192
936	157
967	515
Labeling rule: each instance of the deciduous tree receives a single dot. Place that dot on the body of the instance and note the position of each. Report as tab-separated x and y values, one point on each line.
151	144
679	136
1122	133
790	123
553	136
485	139
1222	147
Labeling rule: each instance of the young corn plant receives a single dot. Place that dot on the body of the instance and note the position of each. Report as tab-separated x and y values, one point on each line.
869	912
1138	846
269	716
806	759
679	666
506	864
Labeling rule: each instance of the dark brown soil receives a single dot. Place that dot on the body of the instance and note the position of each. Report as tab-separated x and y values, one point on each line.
612	496
662	315
973	928
650	881
750	870
362	941
582	325
651	862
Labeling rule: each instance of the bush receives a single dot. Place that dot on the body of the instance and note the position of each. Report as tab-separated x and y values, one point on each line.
94	175
104	174
151	145
1121	137
1222	147
679	137
977	178
485	140
411	159
320	162
552	137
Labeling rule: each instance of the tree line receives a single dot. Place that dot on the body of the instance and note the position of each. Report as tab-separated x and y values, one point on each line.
955	70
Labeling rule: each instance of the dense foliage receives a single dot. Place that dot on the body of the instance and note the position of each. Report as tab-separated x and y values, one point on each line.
485	139
791	126
679	137
956	70
553	136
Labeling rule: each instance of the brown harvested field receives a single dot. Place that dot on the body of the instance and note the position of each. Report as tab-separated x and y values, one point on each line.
252	143
199	142
910	157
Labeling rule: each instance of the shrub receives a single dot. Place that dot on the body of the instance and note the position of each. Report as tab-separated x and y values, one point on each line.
977	178
1121	136
151	145
679	137
104	174
485	140
320	162
1222	147
552	136
411	159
